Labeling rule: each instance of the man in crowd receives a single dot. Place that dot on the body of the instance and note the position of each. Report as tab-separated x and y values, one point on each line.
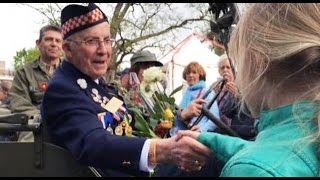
31	81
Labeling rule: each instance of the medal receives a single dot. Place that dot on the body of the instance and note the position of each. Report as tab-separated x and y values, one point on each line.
99	98
95	99
43	86
94	91
102	105
105	100
124	124
118	131
109	129
96	96
128	131
127	128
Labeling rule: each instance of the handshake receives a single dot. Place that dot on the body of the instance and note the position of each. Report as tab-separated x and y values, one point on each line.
183	150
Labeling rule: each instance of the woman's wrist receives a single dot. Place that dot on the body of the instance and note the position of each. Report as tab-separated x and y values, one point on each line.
182	116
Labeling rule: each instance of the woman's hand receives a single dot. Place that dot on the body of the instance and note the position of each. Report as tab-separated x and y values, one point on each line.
193	109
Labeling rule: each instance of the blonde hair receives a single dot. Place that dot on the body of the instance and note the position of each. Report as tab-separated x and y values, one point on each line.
267	47
276	48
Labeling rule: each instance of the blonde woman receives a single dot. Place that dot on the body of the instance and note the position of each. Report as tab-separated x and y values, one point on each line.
276	50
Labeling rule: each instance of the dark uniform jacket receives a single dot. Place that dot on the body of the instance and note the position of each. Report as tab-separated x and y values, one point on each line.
70	116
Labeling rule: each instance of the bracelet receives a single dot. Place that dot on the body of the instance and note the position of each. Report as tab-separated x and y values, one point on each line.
152	152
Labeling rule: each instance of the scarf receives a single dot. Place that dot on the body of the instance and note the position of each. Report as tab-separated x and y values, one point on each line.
190	94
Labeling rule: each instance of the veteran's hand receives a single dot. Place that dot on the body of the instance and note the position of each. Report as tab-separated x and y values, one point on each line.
161	150
191	155
193	109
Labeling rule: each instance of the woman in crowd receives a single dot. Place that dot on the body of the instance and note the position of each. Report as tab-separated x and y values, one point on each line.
191	103
195	76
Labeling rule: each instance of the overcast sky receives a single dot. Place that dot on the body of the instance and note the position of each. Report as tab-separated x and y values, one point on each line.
19	29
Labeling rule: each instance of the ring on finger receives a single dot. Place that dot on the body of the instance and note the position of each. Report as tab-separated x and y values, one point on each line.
199	168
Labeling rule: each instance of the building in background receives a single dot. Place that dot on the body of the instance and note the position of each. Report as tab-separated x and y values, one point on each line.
4	73
194	47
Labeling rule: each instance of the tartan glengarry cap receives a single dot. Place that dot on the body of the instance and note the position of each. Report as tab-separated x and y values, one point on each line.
144	57
75	18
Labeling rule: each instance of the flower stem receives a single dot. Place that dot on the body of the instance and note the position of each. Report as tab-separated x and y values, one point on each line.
162	104
158	102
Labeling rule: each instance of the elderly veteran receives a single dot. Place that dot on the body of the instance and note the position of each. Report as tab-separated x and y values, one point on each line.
86	113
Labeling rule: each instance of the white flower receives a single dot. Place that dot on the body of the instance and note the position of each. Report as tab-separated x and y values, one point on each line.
82	83
152	74
147	89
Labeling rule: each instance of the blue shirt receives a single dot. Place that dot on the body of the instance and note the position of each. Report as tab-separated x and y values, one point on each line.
205	124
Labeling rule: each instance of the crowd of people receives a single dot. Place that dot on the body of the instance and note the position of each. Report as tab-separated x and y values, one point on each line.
270	99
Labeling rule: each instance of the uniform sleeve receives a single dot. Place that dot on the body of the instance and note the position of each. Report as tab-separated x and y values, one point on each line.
20	97
222	146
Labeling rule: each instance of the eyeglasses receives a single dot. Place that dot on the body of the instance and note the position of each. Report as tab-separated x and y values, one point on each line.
94	42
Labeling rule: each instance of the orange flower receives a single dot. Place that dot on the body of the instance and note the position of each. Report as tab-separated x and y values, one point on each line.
162	128
43	86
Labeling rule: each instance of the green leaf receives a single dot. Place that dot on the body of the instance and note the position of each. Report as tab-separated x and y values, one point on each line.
142	125
176	90
153	122
24	56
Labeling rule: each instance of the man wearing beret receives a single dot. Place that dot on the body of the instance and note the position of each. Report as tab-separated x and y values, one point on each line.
82	115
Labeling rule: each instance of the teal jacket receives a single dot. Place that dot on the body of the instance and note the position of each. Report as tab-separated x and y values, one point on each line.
280	148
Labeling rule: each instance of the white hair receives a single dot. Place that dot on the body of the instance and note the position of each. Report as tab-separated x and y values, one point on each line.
222	58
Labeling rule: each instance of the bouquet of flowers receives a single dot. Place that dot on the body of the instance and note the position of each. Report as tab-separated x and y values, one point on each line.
159	108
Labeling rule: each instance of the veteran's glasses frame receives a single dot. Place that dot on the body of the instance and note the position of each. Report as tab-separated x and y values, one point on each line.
94	42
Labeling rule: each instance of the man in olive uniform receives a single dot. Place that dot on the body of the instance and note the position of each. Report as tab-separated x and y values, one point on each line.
31	81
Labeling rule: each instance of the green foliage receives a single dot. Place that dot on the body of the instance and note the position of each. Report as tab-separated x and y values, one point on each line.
218	51
24	56
142	125
176	90
148	126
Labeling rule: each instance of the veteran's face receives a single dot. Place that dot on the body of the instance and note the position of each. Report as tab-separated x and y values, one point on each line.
90	58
